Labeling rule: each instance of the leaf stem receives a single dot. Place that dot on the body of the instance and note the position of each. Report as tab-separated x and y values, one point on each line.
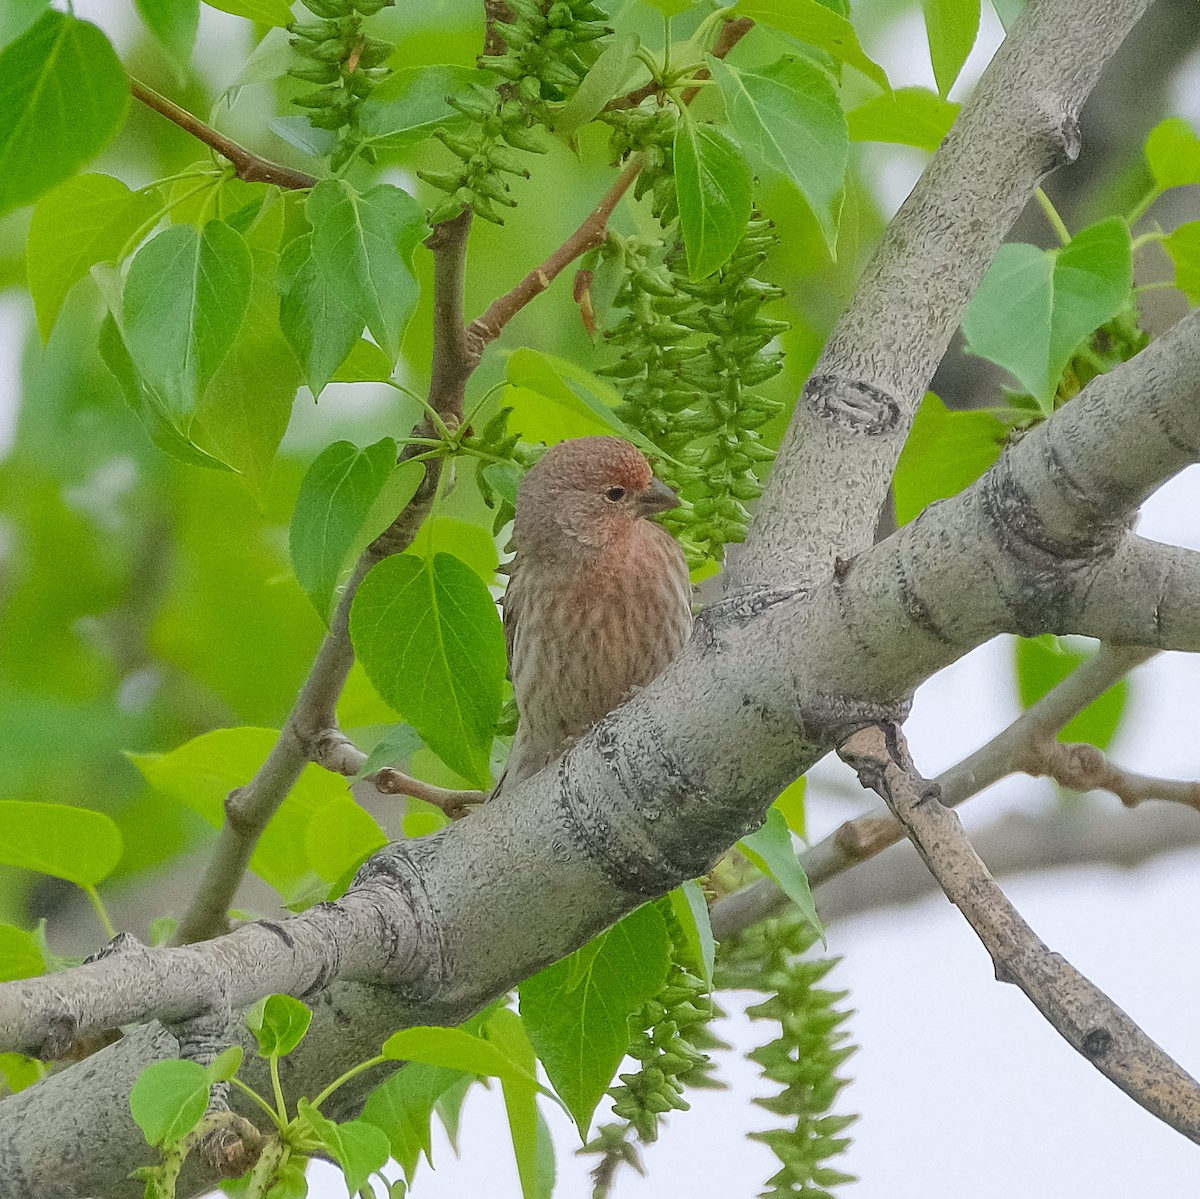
1051	213
248	166
97	903
252	1094
1140	209
277	1087
353	1072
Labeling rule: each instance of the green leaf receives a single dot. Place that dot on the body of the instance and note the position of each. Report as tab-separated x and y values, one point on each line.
270	12
455	1049
411	103
1183	246
770	849
363	246
366	363
147	404
690	909
20	954
428	635
402	1107
279	1022
1173	153
532	1146
812	22
789	119
467	542
72	843
577	1011
790	801
1044	662
291	1182
946	451
63	95
712	185
1034	307
671	8
174	23
605	78
185	299
85	220
952	26
341	835
1008	11
318	325
359	1147
300	132
335	499
17	15
225	1065
545	407
201	773
169	1099
909	116
245	410
18	1071
395	748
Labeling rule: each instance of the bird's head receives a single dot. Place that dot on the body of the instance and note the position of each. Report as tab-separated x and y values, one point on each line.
587	493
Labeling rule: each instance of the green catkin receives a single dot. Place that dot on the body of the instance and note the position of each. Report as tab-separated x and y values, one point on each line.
548	48
346	63
692	351
670	1052
804	1059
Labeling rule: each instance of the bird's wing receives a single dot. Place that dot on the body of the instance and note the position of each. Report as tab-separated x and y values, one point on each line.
510	604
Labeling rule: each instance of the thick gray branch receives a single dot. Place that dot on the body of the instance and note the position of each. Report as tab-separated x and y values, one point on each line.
831	478
863	838
774	677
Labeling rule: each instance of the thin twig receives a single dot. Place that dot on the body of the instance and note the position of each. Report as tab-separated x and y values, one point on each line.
493	40
1085	768
483	330
311	732
454	803
861	839
731	33
452	364
246	164
1084	1016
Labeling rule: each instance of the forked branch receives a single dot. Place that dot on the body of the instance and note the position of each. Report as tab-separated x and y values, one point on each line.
1086	1018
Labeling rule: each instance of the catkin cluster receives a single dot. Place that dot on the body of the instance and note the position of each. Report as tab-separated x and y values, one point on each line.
348	65
547	51
693	351
803	1059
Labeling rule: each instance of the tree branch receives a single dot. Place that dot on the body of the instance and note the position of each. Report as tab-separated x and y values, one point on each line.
867	836
830	480
311	732
1082	767
1147	592
1054	839
1085	1017
484	329
247	165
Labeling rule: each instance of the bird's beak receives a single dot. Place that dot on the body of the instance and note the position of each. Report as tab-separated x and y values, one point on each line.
658	497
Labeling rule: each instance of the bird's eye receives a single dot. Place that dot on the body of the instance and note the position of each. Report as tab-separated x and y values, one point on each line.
615	494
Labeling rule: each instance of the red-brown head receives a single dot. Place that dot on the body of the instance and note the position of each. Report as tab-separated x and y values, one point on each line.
585	494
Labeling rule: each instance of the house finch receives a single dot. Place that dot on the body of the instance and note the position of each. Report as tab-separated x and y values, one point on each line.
598	600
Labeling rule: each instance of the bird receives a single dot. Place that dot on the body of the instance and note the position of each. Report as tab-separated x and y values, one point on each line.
599	599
